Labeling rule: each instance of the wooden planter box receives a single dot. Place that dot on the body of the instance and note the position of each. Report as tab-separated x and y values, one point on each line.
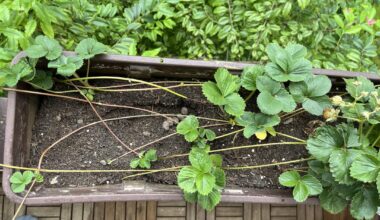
21	110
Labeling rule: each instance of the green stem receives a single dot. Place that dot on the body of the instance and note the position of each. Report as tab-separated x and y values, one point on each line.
369	130
85	83
249	96
129	80
87	71
155	171
377	139
360	131
228	134
291	137
267	165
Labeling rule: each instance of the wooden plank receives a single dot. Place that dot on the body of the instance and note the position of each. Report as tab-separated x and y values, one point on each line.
265	212
22	210
9	209
171	212
247	214
151	210
99	208
229	204
77	213
120	211
309	211
256	211
110	210
229	218
171	218
171	203
301	212
283	211
1	206
52	211
49	218
318	213
141	210
285	218
66	211
210	215
131	210
201	213
229	211
88	211
191	210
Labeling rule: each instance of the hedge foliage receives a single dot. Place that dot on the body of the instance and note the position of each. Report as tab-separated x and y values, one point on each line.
339	34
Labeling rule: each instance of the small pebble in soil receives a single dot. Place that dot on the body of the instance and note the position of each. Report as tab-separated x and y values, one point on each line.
180	117
253	150
95	154
175	120
184	111
146	133
54	180
283	159
288	121
120	148
80	121
170	122
103	162
166	126
58	117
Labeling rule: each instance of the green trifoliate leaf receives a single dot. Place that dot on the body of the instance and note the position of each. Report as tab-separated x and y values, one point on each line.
189	128
256	122
340	162
151	155
235	104
10	76
134	163
200	159
331	201
249	76
287	64
312	93
186	179
289	178
43	79
209	201
364	204
359	87
265	83
144	160
210	135
204	182
66	66
20	180
89	47
313	185
365	168
44	47
226	82
272	104
328	138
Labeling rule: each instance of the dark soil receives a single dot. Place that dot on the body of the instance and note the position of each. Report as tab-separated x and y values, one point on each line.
90	147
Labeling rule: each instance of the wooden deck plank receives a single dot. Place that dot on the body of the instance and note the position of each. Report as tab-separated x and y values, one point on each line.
77	211
49	218
45	211
318	213
120	210
247	213
171	203
171	218
229	211
301	212
171	212
265	212
256	211
99	208
66	211
210	215
191	211
131	210
201	213
229	204
141	210
109	211
1	206
88	211
9	209
283	211
22	210
229	218
151	210
309	211
284	218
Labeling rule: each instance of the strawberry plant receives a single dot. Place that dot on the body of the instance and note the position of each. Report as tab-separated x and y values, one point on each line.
20	180
144	160
346	160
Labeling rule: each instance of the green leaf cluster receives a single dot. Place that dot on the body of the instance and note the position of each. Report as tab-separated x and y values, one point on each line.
257	122
19	180
224	92
203	181
144	160
192	132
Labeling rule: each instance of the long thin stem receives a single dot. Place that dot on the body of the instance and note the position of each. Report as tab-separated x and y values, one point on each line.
23	200
238	148
126	79
155	171
228	134
377	140
132	84
249	96
267	165
145	89
369	130
87	70
104	123
290	136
